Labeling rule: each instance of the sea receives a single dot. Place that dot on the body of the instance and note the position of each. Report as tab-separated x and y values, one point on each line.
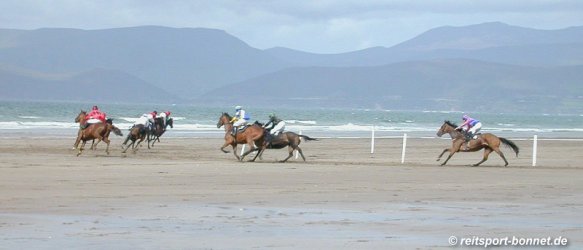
56	119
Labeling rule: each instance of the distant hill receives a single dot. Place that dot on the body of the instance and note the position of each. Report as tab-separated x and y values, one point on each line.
492	42
459	84
96	85
489	66
186	62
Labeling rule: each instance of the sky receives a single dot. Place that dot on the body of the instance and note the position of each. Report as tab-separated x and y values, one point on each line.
318	26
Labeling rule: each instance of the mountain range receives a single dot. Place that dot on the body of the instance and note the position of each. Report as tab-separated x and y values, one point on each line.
484	67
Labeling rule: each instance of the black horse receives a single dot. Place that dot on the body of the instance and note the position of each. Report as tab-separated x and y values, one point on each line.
284	139
159	130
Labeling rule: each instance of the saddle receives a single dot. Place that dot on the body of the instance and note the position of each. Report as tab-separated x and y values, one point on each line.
469	136
240	129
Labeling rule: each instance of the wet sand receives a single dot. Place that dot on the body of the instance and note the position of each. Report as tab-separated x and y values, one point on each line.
186	194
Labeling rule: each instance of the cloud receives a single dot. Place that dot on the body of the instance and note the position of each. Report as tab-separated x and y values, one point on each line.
317	26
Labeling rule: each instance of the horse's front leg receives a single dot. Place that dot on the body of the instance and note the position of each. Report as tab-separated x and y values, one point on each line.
235	151
80	149
443	152
452	151
78	140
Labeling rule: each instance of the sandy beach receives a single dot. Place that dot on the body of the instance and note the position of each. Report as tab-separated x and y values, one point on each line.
186	194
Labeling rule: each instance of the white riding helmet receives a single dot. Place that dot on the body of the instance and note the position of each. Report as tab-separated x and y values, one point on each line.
238	107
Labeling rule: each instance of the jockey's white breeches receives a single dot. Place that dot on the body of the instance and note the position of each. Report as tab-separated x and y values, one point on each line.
475	128
240	122
278	128
93	121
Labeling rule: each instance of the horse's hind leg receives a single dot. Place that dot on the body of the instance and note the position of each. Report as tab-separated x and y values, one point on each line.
497	150
107	141
301	153
487	152
291	153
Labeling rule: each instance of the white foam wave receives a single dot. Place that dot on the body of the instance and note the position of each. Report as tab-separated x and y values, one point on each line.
301	122
29	117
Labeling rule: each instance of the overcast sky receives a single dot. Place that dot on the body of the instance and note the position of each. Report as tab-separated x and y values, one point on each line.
321	26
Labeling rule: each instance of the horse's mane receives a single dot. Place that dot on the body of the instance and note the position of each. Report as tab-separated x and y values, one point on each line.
451	123
227	115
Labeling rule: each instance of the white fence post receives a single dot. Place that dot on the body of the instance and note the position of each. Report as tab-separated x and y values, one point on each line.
243	149
404	147
297	152
372	141
534	149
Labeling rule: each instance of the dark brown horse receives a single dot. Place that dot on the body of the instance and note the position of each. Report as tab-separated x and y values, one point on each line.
285	139
252	135
137	133
487	141
98	131
159	130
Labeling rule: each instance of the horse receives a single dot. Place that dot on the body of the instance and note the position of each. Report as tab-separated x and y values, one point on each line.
137	133
252	135
285	139
159	130
98	131
487	141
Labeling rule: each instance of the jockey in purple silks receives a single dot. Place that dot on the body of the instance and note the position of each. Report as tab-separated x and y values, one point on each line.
471	126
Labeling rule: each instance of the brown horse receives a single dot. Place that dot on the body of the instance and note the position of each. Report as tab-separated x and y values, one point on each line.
487	141
159	130
98	131
137	133
252	135
285	139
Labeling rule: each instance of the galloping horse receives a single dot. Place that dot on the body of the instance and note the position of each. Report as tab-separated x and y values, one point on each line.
99	131
137	133
252	135
159	130
487	141
285	139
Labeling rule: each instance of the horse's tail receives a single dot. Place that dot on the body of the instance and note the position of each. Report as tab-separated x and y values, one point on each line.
308	138
116	131
510	144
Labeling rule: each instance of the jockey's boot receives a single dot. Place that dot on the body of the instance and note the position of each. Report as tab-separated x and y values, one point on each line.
234	132
467	143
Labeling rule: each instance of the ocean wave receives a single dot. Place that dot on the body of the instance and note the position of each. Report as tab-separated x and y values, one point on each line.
301	122
29	117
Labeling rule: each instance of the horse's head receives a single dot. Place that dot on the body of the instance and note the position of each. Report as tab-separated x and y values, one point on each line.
224	119
170	123
446	128
81	116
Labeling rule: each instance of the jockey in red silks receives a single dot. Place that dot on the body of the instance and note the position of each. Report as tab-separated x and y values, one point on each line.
95	116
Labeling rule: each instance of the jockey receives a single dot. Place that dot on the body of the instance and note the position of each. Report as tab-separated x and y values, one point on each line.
95	116
277	125
240	119
147	120
471	126
165	116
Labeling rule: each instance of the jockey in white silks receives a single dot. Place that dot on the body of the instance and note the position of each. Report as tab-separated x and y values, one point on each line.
277	125
147	120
